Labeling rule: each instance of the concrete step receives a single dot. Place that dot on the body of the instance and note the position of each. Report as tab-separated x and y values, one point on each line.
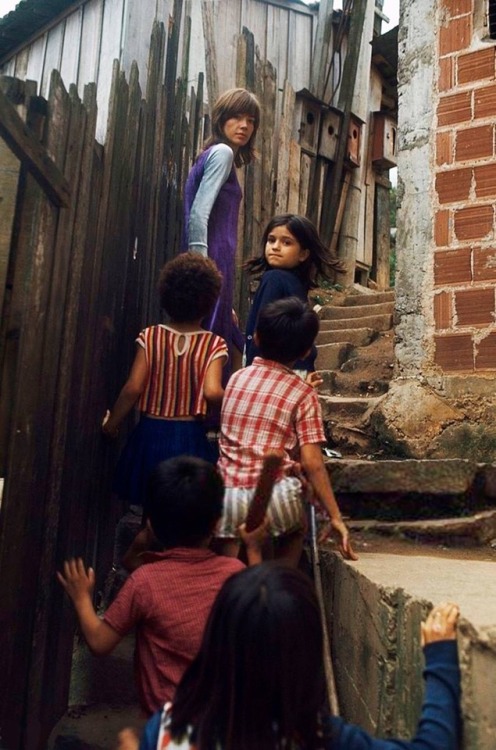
479	529
369	299
355	336
346	407
377	322
339	312
412	489
332	356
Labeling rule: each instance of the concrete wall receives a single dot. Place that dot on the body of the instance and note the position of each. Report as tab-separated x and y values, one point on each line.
375	607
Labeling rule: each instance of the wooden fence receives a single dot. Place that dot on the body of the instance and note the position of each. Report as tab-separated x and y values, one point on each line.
77	284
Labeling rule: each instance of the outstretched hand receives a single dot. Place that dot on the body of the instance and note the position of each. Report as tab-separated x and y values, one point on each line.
440	624
76	580
338	528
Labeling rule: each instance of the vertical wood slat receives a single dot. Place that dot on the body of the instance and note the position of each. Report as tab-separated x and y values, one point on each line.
285	129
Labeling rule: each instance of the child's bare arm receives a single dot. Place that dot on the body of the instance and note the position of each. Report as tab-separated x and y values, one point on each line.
212	387
78	583
314	467
129	394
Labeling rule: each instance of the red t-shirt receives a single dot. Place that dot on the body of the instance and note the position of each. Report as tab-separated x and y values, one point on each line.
168	601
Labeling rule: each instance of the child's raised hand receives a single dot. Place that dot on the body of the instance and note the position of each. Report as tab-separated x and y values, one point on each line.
76	580
440	624
314	379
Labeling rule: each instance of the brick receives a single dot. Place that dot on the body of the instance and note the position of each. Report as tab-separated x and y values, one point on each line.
454	352
484	263
446	78
485	101
453	186
442	310
485	180
444	148
441	228
476	65
455	108
453	266
457	7
473	222
485	353
474	143
456	35
474	307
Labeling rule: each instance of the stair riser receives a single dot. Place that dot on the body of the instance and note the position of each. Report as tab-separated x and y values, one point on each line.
377	322
371	299
332	312
332	356
355	336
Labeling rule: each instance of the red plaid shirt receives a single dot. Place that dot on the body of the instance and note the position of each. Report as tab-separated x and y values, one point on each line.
266	406
168	601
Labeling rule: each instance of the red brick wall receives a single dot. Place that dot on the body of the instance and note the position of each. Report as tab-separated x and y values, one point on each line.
465	185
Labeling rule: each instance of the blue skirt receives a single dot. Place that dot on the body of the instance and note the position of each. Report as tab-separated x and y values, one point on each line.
153	441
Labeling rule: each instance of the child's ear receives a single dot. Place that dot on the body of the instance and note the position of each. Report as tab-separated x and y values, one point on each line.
256	339
304	254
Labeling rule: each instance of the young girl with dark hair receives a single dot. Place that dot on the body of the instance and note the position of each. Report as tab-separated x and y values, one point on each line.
176	376
212	200
291	260
258	682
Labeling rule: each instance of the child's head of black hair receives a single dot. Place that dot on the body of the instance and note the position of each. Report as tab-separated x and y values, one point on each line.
189	286
286	330
184	501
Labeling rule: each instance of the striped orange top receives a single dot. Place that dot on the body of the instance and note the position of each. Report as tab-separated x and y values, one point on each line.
177	365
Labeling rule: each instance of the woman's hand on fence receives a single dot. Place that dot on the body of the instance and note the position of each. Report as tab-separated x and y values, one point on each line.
440	624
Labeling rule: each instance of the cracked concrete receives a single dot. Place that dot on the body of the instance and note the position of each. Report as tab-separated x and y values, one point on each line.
376	642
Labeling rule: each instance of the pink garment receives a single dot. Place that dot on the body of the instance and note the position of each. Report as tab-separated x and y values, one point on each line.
168	601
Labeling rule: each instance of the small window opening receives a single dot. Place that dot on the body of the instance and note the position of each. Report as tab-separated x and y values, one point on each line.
491	18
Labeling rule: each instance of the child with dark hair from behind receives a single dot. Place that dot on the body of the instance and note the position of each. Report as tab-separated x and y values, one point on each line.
267	407
168	598
175	378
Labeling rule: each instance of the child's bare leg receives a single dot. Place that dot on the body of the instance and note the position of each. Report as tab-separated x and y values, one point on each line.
289	547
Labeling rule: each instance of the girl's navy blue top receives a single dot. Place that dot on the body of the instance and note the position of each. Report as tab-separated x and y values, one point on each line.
274	285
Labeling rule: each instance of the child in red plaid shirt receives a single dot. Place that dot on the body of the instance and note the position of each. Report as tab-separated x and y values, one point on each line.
267	406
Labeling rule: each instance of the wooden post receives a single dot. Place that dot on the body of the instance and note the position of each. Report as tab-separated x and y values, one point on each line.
345	101
382	239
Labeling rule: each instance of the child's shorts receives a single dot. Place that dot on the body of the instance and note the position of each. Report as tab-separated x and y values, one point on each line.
285	511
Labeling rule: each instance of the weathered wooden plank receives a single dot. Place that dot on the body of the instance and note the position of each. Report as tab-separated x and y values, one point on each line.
265	140
285	129
110	50
68	118
27	461
70	50
305	168
28	149
137	29
53	55
20	63
322	49
89	51
209	25
294	177
36	58
382	237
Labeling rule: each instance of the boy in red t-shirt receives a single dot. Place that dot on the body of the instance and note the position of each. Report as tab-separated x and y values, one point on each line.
169	597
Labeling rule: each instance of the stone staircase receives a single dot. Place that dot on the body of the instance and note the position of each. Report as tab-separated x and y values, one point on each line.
355	357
